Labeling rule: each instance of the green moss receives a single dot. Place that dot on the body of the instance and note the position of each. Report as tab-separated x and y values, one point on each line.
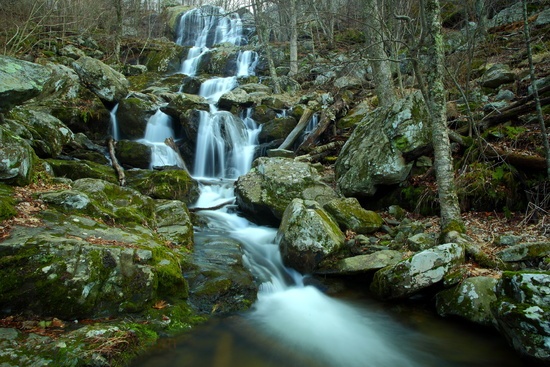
7	203
170	280
82	169
167	184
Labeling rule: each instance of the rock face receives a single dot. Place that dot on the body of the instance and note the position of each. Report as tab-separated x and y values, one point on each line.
272	183
21	80
522	312
307	235
418	272
471	300
375	153
108	84
497	75
362	264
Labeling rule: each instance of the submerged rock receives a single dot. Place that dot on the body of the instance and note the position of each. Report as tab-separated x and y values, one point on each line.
418	272
307	235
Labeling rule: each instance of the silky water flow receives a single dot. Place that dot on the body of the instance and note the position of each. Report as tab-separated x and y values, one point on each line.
291	323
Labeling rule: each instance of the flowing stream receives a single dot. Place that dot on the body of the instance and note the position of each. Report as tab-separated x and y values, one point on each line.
292	323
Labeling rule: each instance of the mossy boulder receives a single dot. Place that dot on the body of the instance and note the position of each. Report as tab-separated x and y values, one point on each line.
163	56
173	184
350	215
525	252
522	312
108	84
360	264
81	268
133	154
278	128
17	159
174	222
133	113
380	149
418	272
82	169
21	80
182	103
307	235
272	183
44	132
470	300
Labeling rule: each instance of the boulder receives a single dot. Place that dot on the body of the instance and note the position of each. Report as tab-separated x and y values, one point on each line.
278	128
17	159
522	312
361	264
497	75
378	150
471	300
133	113
349	214
44	132
133	154
108	84
170	184
307	235
418	272
421	241
21	80
183	103
525	252
272	183
174	222
82	169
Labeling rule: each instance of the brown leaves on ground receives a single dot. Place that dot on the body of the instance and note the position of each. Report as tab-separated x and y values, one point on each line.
51	328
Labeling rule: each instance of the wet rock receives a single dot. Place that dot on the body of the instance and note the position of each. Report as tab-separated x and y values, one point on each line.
350	215
278	128
133	154
418	272
17	159
471	300
171	184
522	312
82	169
272	183
133	113
174	222
307	235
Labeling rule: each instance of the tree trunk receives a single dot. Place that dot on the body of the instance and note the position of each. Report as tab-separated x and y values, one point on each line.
293	39
448	199
302	124
263	37
535	90
382	74
118	168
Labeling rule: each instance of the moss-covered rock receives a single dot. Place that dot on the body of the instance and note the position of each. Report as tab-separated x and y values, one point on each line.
307	235
163	56
418	272
133	114
360	264
272	183
7	203
471	300
174	222
82	169
350	215
174	184
133	154
278	128
522	312
17	159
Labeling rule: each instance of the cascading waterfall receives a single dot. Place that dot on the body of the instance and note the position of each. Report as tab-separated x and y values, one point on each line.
246	62
114	123
296	318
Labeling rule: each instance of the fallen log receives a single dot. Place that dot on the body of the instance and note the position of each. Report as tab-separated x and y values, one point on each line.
295	133
318	153
516	159
215	207
114	161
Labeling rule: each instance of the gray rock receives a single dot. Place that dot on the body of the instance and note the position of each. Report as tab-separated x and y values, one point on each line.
471	300
522	312
17	159
362	264
525	251
418	272
21	80
507	240
108	84
543	18
505	95
374	154
133	154
307	235
497	75
281	153
174	222
272	183
421	241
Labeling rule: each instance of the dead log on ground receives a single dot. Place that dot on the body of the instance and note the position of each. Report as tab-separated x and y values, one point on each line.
114	161
302	124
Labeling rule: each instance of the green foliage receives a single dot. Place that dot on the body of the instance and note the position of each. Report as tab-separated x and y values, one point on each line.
350	36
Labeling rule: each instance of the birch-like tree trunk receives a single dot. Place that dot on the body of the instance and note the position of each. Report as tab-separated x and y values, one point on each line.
382	75
293	38
435	100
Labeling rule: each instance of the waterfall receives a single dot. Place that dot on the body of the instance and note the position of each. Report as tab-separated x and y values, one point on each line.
114	123
246	62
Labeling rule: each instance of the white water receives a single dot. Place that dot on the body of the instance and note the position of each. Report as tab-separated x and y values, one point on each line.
114	123
247	62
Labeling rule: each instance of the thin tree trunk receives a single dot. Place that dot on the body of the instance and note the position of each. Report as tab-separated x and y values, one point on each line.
302	124
118	168
448	199
264	41
293	39
535	90
382	74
